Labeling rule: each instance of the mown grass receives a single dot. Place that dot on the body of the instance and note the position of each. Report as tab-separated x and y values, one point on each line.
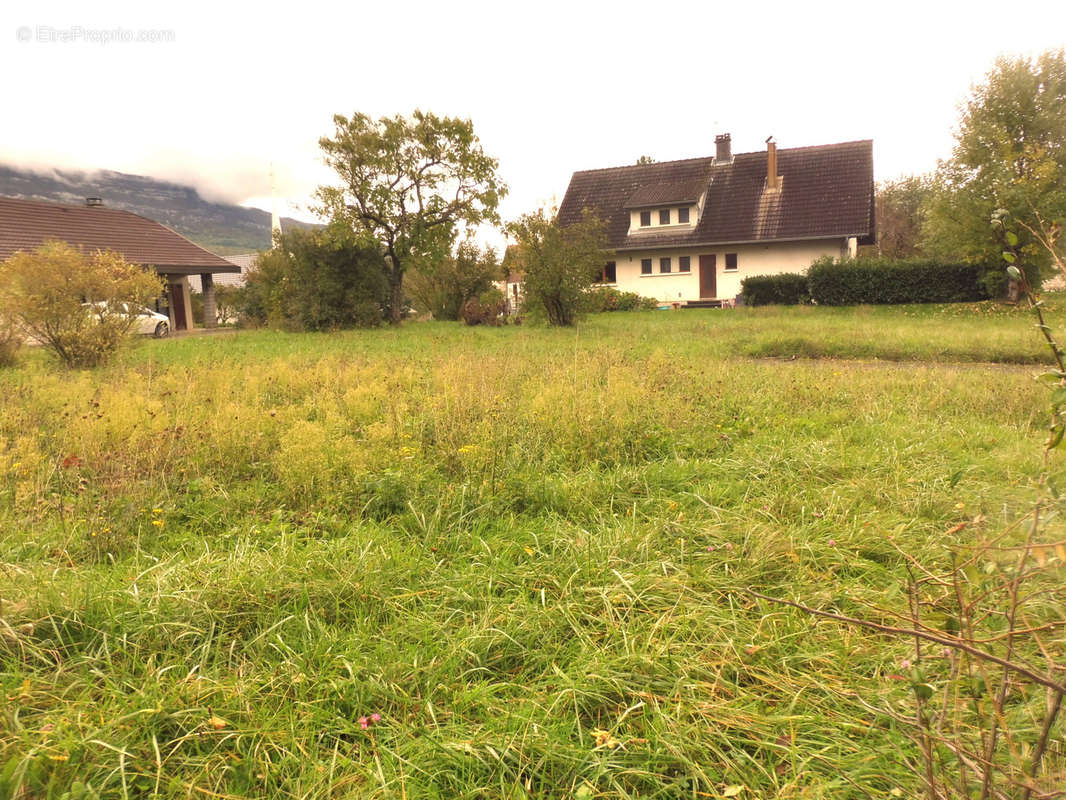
220	553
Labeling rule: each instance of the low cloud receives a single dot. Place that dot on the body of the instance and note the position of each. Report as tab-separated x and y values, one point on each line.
215	180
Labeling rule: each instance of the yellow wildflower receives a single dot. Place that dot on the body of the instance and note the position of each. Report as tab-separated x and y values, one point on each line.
604	738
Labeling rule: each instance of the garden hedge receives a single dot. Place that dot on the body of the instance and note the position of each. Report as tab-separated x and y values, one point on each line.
882	281
785	290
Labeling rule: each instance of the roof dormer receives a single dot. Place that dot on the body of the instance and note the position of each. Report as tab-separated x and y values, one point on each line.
665	207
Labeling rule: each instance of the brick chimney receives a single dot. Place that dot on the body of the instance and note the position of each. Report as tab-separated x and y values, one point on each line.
773	181
724	147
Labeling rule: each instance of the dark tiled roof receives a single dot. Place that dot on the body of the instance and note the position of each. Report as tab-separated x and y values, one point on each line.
664	193
826	191
27	224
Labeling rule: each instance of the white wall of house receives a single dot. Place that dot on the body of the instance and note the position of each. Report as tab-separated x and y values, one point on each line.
752	259
512	290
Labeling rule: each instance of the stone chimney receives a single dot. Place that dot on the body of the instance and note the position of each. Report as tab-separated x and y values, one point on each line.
724	147
773	180
94	201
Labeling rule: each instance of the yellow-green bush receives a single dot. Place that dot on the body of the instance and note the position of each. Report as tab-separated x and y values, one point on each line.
79	306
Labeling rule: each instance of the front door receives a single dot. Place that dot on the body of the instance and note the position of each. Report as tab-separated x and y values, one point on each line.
708	268
177	307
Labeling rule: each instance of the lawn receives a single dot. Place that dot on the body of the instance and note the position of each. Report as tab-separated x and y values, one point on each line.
220	553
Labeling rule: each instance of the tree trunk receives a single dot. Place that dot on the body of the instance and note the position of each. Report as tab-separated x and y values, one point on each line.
395	295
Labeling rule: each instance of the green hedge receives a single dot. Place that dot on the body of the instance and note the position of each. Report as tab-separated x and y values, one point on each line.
882	281
784	290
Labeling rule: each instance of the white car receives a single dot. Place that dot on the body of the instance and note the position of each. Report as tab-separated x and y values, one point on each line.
146	321
152	323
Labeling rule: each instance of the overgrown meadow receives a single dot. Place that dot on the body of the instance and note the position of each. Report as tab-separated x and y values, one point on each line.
525	549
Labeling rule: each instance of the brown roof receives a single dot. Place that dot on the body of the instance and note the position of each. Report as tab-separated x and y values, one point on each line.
27	224
665	192
826	192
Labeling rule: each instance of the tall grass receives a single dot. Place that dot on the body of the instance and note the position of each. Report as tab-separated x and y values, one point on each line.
218	555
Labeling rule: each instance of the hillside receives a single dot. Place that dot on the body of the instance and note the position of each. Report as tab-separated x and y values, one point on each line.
220	227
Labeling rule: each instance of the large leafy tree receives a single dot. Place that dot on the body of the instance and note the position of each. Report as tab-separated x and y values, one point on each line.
559	263
1010	153
406	184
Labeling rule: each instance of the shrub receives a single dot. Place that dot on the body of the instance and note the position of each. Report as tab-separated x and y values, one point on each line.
318	279
487	309
607	298
81	307
442	288
228	302
784	290
882	281
558	262
10	341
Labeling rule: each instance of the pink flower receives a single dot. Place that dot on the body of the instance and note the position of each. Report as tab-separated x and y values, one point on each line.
905	664
375	717
364	723
832	542
710	548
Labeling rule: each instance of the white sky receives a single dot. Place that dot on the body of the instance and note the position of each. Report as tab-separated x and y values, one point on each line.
551	86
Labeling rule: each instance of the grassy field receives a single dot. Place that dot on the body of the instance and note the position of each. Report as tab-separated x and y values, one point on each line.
219	554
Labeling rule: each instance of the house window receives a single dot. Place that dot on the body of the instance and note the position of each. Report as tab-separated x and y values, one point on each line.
684	263
730	262
609	273
664	265
645	266
664	217
645	219
682	215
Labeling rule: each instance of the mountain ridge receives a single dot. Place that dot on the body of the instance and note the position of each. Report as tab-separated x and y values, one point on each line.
223	228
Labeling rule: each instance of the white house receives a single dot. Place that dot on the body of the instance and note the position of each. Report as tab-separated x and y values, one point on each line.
690	231
246	262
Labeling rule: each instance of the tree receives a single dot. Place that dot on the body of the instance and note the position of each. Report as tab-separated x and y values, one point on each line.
645	160
443	287
317	279
406	184
899	210
1010	154
80	306
560	263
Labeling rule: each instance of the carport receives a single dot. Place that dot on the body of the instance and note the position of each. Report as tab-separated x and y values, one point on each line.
27	224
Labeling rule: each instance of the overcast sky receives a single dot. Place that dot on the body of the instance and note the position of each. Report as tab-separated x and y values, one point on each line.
551	87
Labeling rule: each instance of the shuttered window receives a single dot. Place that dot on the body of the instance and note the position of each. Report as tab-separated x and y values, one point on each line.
664	217
645	219
664	265
609	273
682	215
645	266
684	264
730	262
